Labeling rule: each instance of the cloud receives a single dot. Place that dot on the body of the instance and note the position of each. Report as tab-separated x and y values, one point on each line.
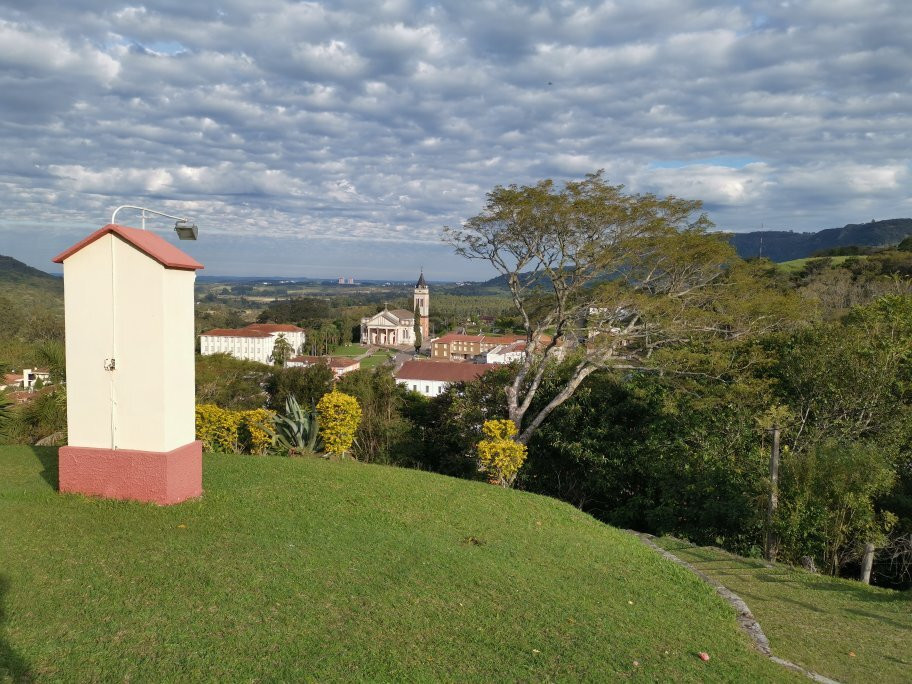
376	123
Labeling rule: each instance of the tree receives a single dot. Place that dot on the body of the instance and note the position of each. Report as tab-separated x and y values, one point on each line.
606	279
329	334
305	385
384	435
281	350
230	383
500	455
418	340
339	415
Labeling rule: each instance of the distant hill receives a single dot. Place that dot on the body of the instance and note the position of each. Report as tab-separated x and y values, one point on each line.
27	284
783	245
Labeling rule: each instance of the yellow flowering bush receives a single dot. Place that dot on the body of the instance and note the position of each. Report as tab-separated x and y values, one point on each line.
233	432
340	415
255	434
500	455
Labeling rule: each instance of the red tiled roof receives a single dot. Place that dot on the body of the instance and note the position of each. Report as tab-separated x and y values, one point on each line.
445	371
273	327
503	339
145	241
453	337
235	332
12	379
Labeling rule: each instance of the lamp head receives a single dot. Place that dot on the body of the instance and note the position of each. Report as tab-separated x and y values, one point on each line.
186	230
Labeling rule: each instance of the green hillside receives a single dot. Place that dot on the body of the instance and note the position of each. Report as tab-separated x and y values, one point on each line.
796	265
29	285
786	245
293	570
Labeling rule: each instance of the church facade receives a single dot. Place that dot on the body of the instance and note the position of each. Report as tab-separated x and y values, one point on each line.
396	328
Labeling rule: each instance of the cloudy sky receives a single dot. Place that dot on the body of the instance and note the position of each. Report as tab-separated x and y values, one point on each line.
330	138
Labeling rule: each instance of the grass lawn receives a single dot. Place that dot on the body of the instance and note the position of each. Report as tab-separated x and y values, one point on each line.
839	628
349	350
305	569
378	358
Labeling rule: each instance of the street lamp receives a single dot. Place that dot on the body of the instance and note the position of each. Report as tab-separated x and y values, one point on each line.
184	227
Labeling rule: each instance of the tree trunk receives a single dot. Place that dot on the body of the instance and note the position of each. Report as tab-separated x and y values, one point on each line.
867	562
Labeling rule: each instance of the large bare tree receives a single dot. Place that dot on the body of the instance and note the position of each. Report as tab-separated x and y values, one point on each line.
604	278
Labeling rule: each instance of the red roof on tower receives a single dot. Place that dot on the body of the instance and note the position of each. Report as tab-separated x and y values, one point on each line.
145	241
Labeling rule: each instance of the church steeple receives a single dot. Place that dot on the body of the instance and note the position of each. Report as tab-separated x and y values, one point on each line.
422	304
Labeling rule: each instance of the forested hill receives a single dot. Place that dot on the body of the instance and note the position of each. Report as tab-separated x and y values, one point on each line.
26	283
783	245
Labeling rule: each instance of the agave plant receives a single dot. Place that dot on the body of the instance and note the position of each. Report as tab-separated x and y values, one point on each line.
297	431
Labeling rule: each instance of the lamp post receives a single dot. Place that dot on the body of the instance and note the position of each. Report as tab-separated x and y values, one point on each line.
185	229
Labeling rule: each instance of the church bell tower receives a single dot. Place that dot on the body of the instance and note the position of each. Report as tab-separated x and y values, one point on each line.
422	302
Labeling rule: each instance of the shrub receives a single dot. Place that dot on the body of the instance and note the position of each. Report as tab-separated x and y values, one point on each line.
255	432
500	455
295	432
340	415
234	432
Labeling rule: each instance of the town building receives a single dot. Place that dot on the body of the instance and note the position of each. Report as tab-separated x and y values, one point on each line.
431	378
26	380
506	353
453	346
339	365
396	328
252	342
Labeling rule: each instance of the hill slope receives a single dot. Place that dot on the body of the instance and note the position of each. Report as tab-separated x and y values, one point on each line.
27	284
781	245
305	569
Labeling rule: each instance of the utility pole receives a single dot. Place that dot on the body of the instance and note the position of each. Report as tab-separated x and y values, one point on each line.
771	542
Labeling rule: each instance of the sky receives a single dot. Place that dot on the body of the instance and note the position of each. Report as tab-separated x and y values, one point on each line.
323	139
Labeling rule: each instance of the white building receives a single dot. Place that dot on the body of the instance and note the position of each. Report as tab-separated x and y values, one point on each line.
339	365
431	378
506	353
26	380
253	342
396	328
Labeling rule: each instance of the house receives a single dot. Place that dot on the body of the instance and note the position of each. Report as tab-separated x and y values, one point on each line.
431	378
25	380
340	365
252	342
396	328
455	346
506	353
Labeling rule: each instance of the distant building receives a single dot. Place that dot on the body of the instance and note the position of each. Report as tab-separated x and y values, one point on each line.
253	342
506	353
340	365
396	328
431	378
25	380
453	346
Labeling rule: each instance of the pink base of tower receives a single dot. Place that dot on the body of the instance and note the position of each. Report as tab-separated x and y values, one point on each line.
155	477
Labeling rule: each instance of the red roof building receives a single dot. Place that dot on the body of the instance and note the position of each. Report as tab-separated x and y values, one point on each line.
145	241
340	365
253	342
430	378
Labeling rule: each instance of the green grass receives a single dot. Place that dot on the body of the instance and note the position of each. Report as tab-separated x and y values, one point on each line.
304	569
349	350
817	621
378	358
797	265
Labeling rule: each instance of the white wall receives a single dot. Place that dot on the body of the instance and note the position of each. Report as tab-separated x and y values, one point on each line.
429	388
124	305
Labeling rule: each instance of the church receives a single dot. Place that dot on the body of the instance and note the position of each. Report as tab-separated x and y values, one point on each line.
396	328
